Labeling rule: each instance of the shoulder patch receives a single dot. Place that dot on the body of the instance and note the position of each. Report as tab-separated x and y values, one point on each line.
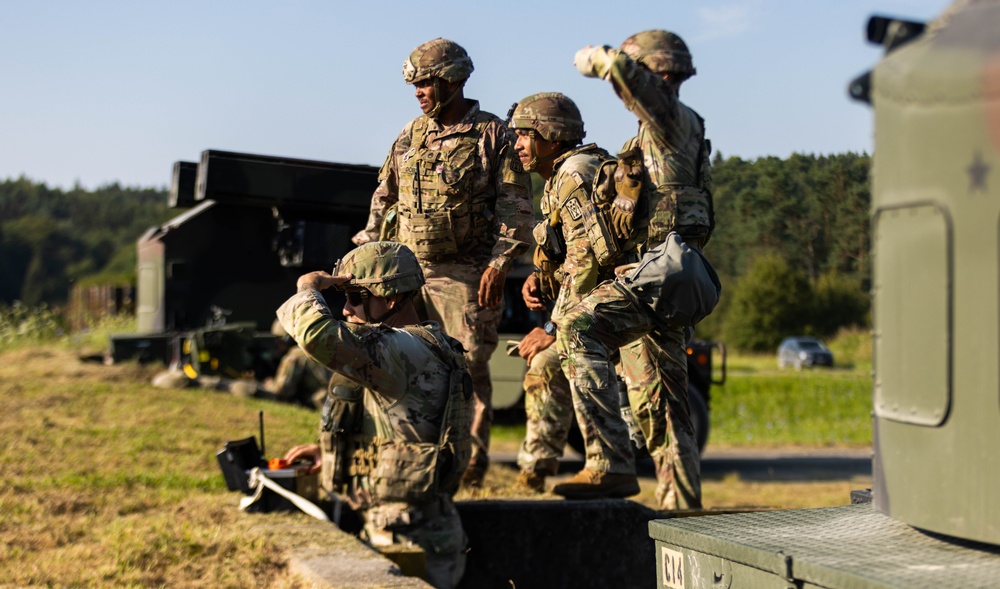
574	209
515	165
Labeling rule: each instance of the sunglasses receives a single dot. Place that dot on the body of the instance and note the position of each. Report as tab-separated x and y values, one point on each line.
356	297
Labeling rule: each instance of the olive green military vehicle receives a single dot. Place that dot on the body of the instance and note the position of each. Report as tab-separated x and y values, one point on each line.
932	518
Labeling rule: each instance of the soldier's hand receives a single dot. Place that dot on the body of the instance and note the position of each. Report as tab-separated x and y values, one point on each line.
622	210
491	287
321	280
583	61
536	341
309	452
532	294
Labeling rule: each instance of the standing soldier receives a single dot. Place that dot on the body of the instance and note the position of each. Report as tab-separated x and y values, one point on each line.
663	200
404	460
453	192
575	252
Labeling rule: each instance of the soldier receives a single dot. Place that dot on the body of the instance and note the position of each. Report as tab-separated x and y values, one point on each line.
664	201
298	379
453	192
575	252
415	405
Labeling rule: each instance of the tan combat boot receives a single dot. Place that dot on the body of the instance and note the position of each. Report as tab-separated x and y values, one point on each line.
593	484
531	481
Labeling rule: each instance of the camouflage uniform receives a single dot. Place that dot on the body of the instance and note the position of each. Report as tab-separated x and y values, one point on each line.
675	197
463	204
549	403
407	384
299	379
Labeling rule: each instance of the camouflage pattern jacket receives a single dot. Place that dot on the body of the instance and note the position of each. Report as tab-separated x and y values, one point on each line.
677	177
570	191
459	191
407	386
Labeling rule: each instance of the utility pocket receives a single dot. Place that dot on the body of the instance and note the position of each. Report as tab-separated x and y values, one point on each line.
405	472
436	234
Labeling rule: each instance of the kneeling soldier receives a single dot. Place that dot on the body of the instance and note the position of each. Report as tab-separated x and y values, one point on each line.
402	466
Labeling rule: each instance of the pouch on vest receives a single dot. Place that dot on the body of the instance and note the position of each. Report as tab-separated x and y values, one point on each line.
436	234
340	434
456	439
676	282
405	472
597	213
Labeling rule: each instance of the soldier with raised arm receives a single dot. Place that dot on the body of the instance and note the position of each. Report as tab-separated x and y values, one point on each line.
664	202
452	190
395	436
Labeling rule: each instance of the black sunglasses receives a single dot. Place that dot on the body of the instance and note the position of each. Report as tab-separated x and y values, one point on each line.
356	297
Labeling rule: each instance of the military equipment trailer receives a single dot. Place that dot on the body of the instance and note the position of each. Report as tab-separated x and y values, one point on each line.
934	515
253	225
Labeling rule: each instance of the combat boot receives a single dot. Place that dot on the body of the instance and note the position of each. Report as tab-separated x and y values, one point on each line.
593	484
531	481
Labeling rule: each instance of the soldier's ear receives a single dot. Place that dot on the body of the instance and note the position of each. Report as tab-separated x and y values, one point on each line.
393	301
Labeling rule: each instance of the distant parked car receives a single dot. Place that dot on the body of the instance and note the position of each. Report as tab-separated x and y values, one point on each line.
801	351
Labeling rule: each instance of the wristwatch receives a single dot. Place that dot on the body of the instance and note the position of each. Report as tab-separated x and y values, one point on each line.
550	328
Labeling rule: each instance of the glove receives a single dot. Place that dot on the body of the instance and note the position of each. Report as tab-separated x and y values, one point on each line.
545	270
584	62
622	210
628	187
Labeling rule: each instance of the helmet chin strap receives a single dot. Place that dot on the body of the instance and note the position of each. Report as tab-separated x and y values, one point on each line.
441	103
400	303
532	165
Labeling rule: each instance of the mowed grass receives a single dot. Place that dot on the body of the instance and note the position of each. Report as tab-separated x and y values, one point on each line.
112	482
806	409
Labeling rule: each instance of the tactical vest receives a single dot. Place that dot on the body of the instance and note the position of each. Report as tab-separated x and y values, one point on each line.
593	210
438	216
412	472
672	202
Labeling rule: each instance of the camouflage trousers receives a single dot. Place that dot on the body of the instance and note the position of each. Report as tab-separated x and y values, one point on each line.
450	296
654	366
434	527
548	404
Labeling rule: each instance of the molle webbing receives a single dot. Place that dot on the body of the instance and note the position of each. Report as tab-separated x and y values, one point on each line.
439	216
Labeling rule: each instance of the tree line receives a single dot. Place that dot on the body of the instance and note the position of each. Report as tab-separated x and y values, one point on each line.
791	244
51	239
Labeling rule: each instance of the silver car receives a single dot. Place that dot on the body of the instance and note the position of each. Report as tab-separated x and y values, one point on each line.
803	351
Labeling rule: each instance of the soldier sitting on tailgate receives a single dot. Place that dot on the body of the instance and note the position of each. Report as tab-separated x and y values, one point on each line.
413	404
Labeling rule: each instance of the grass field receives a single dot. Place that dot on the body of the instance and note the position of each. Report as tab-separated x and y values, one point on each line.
111	482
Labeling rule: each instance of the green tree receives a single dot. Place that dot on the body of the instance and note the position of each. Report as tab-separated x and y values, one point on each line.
837	301
770	301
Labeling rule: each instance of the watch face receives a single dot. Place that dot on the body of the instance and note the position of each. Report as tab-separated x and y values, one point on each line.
550	328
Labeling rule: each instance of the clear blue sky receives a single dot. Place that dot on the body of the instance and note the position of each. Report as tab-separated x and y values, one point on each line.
102	91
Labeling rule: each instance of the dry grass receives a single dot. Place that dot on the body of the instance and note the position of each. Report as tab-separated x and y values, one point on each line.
111	482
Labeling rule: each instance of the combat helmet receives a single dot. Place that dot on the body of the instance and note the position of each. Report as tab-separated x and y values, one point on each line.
660	51
439	58
384	268
550	114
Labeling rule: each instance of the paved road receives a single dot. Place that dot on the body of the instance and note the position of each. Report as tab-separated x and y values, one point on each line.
756	465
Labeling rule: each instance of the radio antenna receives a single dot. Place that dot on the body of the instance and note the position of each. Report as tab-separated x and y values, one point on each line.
261	418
